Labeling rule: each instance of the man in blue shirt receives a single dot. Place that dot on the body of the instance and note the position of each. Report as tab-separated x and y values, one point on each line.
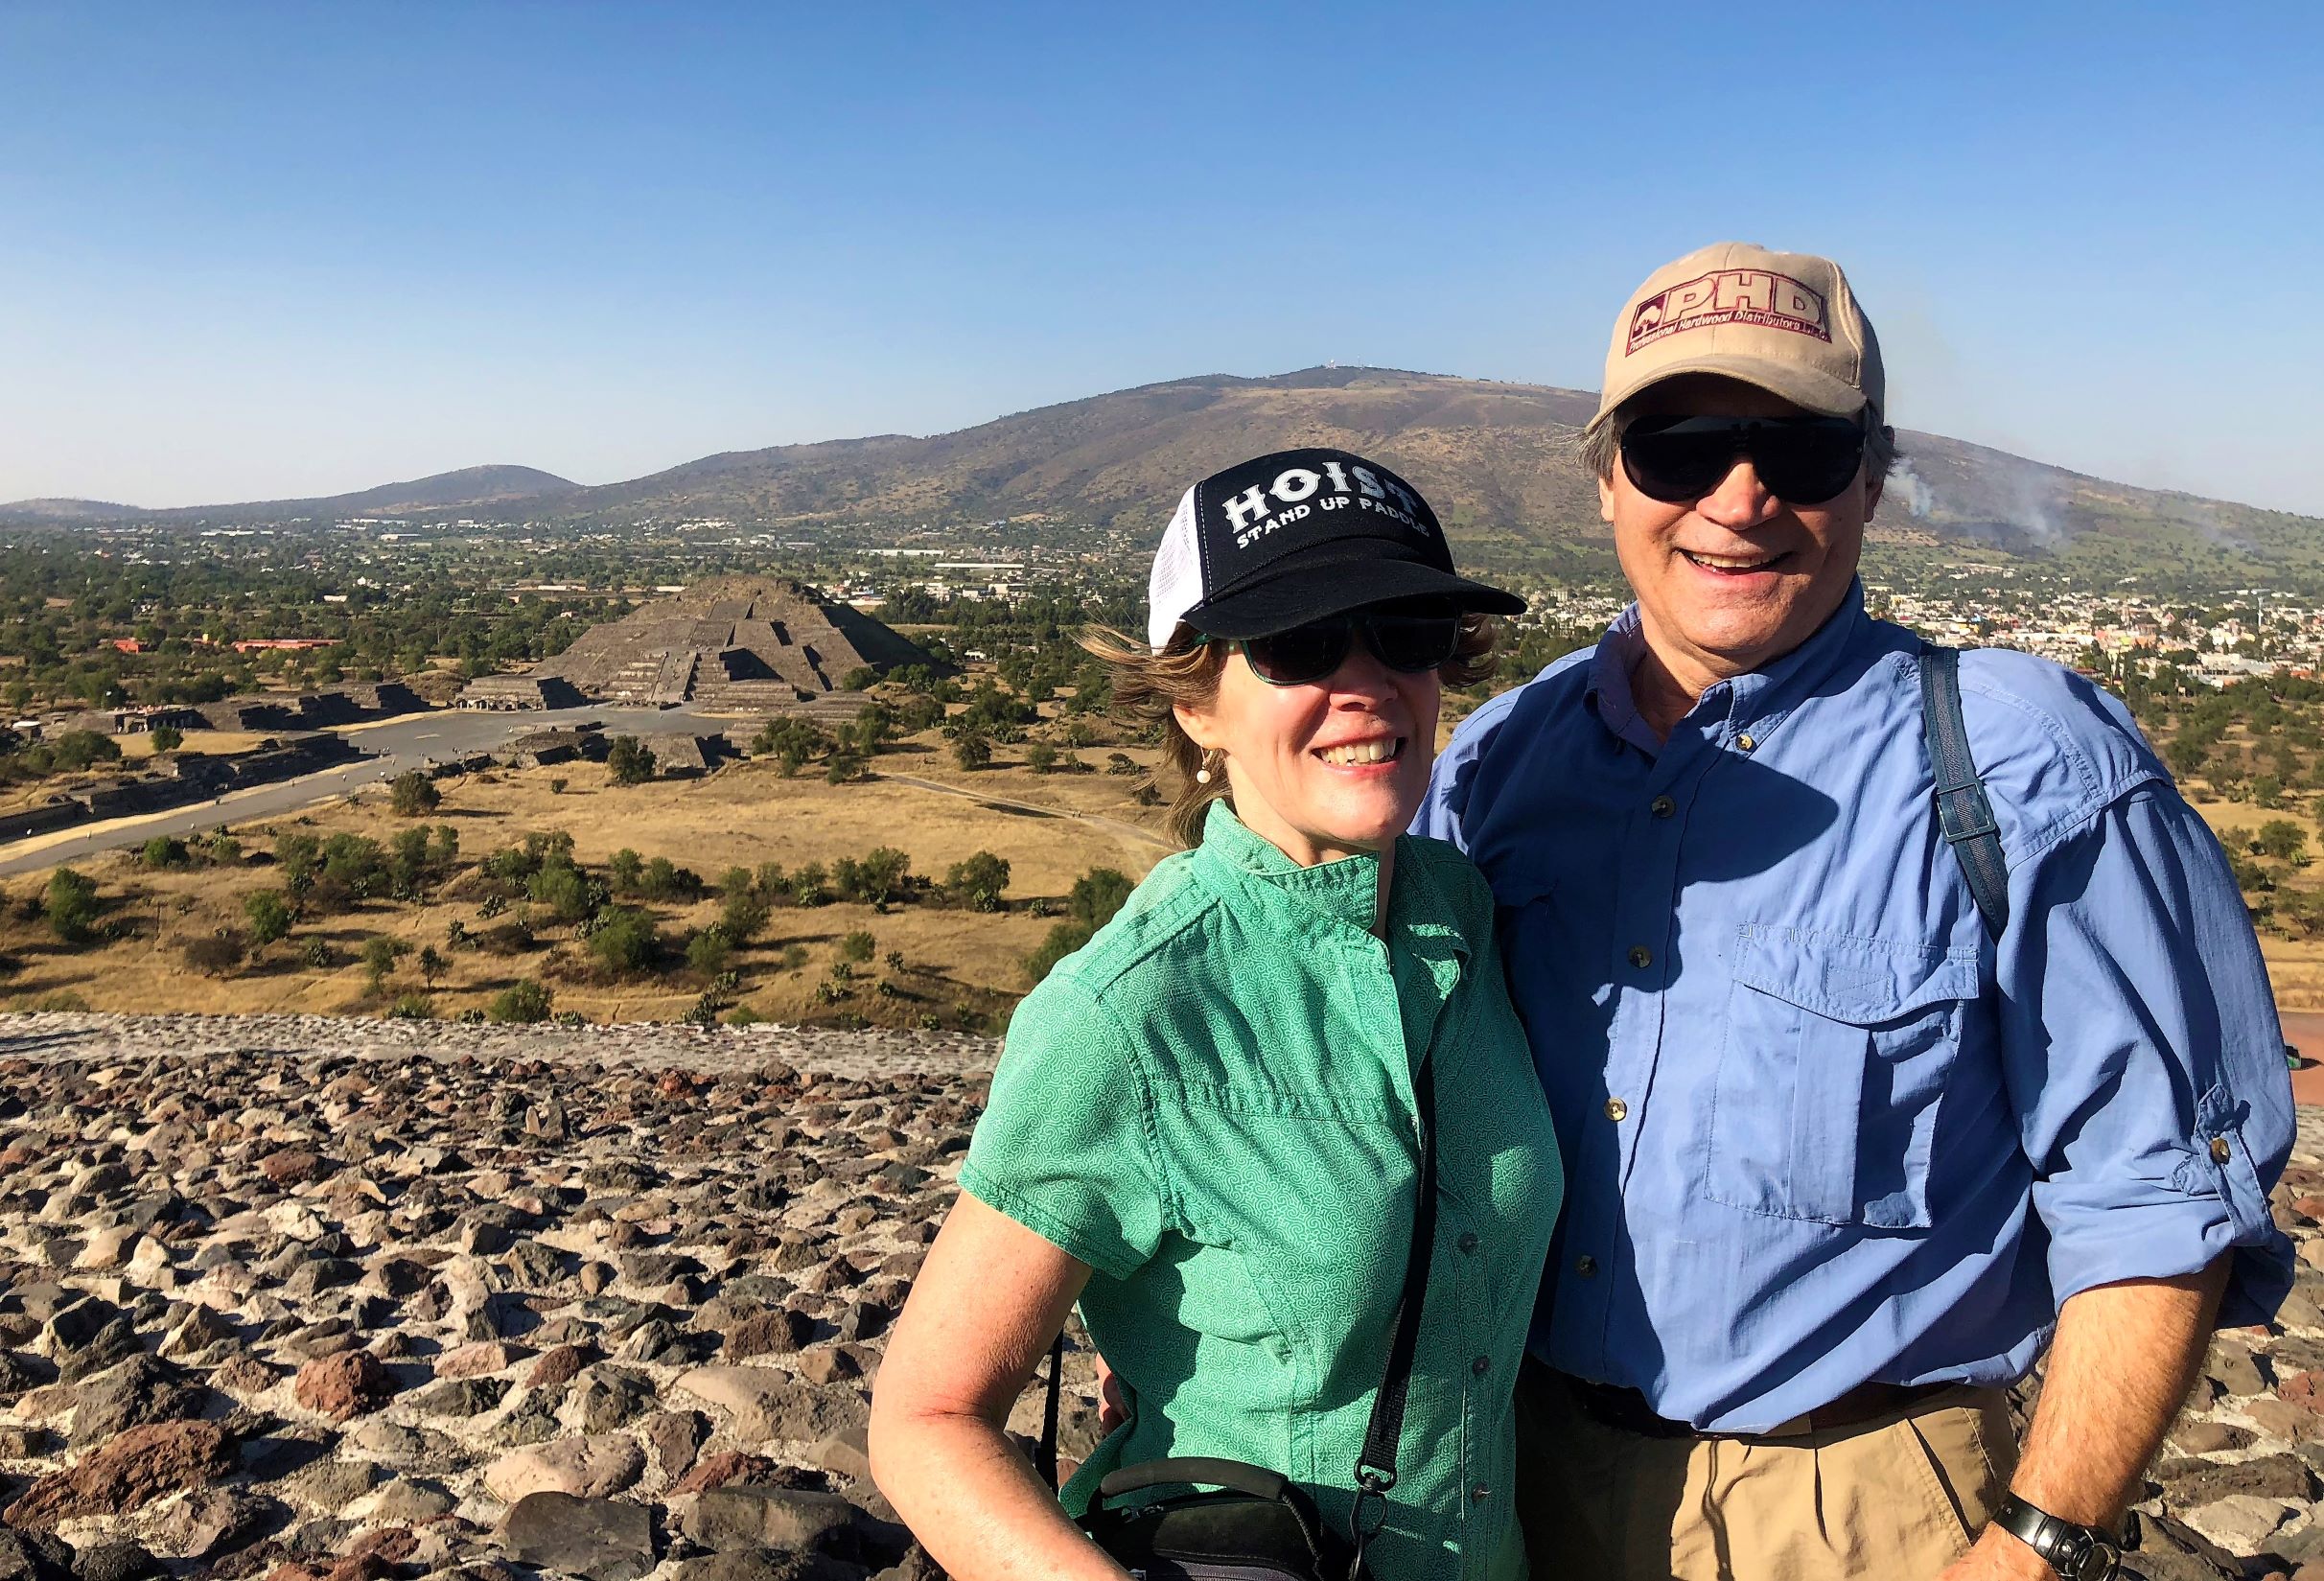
1844	1162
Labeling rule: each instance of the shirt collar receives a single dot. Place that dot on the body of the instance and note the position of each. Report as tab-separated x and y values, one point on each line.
1345	891
1756	702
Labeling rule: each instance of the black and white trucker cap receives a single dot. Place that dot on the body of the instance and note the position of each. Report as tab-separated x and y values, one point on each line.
1276	542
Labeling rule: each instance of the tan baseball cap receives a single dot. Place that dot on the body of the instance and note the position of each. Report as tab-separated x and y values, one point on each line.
1785	321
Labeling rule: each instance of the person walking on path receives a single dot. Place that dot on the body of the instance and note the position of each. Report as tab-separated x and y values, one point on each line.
1864	1110
1206	1125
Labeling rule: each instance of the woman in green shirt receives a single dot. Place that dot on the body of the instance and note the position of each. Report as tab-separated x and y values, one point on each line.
1203	1126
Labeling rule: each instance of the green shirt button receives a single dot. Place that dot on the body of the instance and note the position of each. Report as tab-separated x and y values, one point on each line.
1481	1493
1467	1241
1482	1365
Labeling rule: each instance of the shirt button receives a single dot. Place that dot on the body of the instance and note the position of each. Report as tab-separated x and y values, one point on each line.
1481	1493
1640	957
1744	742
1661	806
1482	1365
1586	1266
2220	1152
1617	1111
1467	1241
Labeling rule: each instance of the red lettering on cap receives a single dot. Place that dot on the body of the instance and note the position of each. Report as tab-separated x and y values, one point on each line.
1757	298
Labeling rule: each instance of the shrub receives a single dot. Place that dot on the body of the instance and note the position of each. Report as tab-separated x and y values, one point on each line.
411	794
298	855
1041	758
564	890
522	1003
742	1015
630	760
624	868
381	953
858	946
742	915
76	750
1122	763
972	750
217	954
70	905
709	951
978	882
665	880
433	965
736	880
1062	940
843	768
2282	839
860	679
626	940
556	787
270	915
1096	895
879	877
221	849
808	885
319	954
163	852
411	1007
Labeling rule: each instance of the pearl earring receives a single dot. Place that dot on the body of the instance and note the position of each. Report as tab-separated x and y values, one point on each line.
1202	775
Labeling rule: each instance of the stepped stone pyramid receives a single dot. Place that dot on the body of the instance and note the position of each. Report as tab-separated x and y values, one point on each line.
738	644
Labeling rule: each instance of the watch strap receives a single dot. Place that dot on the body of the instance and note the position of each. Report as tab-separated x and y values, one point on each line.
2077	1553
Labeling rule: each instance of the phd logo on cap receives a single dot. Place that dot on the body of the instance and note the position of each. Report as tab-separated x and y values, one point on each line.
1759	297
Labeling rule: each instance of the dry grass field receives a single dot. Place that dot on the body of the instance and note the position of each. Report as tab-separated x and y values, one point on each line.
960	968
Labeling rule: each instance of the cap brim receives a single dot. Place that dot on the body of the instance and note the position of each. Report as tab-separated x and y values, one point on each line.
1811	389
1314	589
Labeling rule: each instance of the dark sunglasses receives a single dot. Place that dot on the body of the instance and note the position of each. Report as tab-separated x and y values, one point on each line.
1407	641
1802	460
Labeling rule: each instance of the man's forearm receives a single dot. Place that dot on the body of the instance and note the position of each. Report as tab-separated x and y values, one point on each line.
2122	1360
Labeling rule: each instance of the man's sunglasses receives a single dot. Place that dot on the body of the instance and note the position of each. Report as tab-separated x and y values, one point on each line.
1405	642
1802	460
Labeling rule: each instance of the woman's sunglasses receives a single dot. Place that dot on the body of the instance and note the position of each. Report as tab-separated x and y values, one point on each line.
1405	642
1802	460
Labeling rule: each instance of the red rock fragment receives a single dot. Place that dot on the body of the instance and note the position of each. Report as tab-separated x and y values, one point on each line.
294	1167
345	1386
716	1471
129	1472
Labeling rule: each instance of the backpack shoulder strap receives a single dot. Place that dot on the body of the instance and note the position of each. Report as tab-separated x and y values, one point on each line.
1962	809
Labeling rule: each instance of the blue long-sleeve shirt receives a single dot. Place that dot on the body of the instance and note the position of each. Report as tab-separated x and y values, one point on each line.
1819	1127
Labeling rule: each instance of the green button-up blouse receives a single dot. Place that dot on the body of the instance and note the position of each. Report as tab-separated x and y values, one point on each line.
1211	1104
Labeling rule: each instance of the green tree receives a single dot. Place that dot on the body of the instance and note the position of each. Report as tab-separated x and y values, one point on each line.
1040	758
411	794
381	953
977	883
168	738
630	760
269	916
1096	895
709	951
626	940
433	965
522	1002
217	954
972	750
163	852
857	948
70	905
2282	839
626	868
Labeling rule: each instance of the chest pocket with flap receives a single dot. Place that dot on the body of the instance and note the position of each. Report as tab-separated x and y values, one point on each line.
1837	1053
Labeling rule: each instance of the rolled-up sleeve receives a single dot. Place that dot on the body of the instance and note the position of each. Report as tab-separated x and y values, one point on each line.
1065	1146
2143	1056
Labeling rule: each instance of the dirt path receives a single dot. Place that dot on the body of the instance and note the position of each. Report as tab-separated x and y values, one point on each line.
1096	820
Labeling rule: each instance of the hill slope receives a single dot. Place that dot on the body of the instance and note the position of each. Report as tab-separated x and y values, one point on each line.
1497	459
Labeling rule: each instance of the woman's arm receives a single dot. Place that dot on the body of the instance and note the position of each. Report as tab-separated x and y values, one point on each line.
988	1301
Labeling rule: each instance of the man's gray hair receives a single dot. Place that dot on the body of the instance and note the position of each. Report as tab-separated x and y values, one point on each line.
1601	446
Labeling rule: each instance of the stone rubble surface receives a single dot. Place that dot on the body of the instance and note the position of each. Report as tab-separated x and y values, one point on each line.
322	1300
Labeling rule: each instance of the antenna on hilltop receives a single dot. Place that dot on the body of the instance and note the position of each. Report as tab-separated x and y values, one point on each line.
1330	361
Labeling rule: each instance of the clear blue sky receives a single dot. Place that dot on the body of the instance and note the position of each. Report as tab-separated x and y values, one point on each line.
253	251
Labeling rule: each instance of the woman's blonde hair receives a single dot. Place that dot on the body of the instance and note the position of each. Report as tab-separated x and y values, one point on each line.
1149	684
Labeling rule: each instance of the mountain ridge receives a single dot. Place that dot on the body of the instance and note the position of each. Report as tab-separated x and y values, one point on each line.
1498	457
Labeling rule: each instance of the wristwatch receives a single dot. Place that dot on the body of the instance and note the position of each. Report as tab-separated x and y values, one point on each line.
2077	1553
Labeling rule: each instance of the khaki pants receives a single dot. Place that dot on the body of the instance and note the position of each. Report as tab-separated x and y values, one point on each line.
1897	1497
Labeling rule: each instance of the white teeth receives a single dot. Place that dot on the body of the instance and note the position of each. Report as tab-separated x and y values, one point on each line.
1377	751
1728	562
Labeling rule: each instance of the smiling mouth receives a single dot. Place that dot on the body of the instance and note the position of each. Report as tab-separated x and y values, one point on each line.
1734	565
1359	754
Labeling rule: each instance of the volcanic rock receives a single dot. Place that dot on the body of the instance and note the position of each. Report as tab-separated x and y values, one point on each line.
345	1386
596	1538
129	1472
